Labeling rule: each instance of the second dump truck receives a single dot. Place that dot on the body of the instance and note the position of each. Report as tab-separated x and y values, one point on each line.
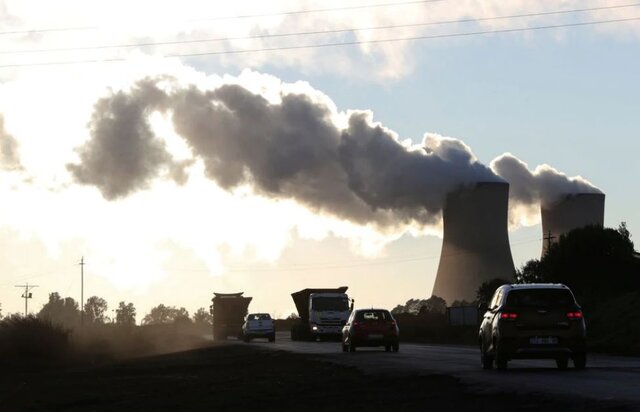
228	311
322	313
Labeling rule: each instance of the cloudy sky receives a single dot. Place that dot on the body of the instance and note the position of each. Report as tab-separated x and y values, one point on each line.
190	147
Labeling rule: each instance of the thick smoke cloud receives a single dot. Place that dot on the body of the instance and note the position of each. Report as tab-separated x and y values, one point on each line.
292	148
544	185
9	158
123	154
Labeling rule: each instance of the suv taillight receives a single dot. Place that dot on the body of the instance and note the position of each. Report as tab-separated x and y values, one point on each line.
574	315
508	315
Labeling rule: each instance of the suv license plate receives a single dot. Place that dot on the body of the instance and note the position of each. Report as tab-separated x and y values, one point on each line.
375	336
543	340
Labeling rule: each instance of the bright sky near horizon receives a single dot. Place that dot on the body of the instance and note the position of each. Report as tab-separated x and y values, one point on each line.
553	82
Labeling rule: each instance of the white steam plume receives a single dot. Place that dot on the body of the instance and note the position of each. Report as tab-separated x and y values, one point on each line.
9	158
530	189
287	145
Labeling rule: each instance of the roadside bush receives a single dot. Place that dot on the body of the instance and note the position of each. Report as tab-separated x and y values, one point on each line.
615	325
23	338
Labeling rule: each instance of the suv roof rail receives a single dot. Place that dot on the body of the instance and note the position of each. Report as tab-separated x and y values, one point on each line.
537	285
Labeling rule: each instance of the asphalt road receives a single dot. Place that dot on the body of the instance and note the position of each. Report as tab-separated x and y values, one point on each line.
605	378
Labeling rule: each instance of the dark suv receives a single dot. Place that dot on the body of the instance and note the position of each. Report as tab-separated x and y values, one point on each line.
533	321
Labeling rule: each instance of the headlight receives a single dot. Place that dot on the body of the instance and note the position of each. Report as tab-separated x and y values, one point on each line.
314	327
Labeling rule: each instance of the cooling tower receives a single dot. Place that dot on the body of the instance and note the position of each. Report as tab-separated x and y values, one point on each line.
475	246
571	212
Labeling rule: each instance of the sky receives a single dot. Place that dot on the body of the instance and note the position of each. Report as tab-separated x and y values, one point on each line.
107	152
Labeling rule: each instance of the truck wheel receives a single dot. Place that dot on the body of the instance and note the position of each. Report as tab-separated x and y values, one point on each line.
345	348
395	347
272	337
352	346
562	363
387	348
580	360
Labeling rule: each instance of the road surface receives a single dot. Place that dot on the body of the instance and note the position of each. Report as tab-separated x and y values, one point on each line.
606	377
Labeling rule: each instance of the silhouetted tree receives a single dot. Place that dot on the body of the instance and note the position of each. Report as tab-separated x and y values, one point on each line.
434	304
530	272
126	314
61	311
95	310
596	263
162	314
487	289
293	316
158	315
202	317
181	316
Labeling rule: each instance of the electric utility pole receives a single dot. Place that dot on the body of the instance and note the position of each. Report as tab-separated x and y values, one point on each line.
82	290
549	238
26	295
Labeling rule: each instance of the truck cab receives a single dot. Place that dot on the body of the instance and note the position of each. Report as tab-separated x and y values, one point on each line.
328	313
322	312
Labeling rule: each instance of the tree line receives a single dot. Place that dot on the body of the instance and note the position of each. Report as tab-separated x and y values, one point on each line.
66	312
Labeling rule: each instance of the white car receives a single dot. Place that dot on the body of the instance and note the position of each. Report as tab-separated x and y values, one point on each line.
258	325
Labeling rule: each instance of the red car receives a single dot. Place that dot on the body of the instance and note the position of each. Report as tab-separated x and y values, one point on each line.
370	327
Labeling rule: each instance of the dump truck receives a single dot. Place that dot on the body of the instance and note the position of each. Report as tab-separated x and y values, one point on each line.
322	313
228	311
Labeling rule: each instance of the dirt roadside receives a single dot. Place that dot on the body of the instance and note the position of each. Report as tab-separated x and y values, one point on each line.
245	378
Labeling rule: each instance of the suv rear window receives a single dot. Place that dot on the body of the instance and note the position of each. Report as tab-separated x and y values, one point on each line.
373	316
540	297
259	316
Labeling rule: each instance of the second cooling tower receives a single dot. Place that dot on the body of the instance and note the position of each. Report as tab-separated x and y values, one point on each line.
475	244
571	212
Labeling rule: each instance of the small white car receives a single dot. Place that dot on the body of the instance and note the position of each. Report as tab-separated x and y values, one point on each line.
258	325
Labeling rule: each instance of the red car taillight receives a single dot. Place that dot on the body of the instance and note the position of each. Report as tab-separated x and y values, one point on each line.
508	315
574	315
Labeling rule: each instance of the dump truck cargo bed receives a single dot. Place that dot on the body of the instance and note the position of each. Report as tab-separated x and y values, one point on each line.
228	310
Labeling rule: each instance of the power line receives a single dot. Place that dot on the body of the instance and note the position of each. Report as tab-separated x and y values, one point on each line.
324	45
297	12
239	17
309	33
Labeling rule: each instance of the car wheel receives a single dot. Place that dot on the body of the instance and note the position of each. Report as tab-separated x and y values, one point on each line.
387	348
562	363
395	347
485	360
352	346
580	360
345	348
500	359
